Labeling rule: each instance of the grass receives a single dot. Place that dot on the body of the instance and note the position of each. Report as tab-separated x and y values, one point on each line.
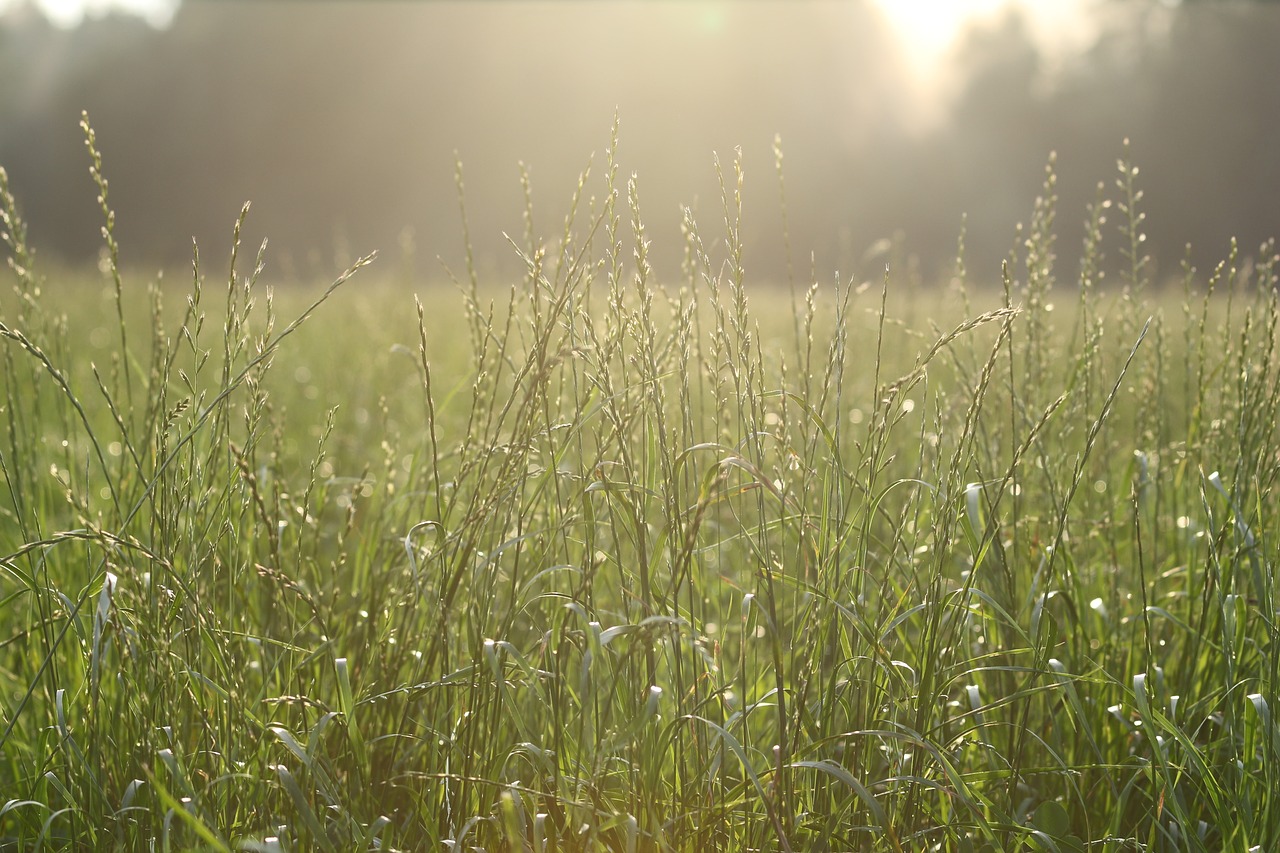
602	562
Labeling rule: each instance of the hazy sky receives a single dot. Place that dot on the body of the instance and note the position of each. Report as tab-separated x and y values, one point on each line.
929	30
932	27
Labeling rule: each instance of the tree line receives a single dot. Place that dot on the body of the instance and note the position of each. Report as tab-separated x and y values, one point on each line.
342	123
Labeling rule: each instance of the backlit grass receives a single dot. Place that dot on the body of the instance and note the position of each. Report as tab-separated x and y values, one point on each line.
598	561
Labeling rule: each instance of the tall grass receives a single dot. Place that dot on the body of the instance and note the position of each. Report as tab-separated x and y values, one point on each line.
607	562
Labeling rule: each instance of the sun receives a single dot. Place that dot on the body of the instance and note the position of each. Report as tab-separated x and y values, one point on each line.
929	29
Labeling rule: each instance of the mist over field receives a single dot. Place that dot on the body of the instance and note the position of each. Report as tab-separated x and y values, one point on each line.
793	520
340	122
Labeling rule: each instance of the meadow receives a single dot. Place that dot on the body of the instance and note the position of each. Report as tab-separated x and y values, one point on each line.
591	560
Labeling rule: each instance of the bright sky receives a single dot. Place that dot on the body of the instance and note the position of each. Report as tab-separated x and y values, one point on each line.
933	25
69	13
931	28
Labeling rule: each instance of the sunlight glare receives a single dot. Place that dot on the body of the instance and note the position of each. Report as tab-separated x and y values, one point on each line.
931	32
70	13
930	28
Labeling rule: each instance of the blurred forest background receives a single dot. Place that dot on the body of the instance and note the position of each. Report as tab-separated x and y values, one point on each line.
340	121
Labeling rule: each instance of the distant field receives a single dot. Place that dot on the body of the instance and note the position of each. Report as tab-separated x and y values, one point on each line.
598	562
